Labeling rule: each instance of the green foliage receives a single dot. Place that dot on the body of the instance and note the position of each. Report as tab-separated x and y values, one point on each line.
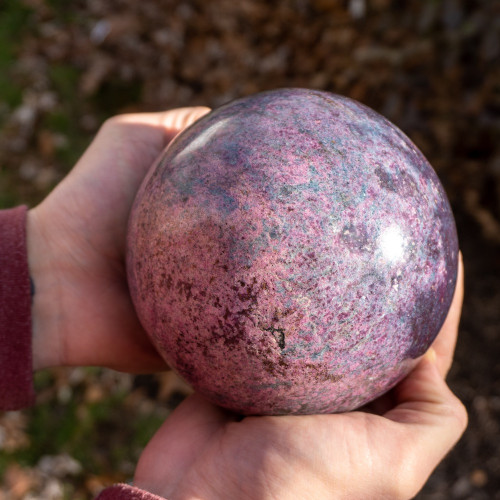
14	20
62	10
114	95
65	118
64	78
7	197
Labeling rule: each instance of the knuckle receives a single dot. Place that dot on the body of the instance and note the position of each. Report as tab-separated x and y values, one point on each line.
114	123
460	415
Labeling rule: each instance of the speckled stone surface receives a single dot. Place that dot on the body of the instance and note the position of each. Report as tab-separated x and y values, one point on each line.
292	252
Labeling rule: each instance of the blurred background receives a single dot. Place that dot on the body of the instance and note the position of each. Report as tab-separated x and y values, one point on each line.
430	66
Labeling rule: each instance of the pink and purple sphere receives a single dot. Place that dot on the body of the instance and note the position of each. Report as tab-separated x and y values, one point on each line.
292	252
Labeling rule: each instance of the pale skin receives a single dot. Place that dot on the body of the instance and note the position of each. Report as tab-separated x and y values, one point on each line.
82	315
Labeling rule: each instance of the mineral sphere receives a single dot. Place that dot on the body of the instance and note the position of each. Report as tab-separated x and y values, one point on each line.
292	252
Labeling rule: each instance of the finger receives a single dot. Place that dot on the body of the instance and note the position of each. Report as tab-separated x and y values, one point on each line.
120	155
181	118
424	397
178	443
430	421
137	139
151	133
171	121
444	345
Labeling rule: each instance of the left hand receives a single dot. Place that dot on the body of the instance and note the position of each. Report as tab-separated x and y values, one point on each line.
82	313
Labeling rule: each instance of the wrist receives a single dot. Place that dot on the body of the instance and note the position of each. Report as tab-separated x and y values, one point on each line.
46	299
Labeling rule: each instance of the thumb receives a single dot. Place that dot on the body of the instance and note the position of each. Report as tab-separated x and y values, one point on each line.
176	120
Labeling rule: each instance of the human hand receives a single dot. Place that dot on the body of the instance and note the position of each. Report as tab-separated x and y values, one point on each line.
203	452
82	313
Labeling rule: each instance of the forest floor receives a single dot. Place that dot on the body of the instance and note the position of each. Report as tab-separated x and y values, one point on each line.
430	66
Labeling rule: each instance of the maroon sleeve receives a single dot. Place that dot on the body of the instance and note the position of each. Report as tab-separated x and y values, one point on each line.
125	492
16	366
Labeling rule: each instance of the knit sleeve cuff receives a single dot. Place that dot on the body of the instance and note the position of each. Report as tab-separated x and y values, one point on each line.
16	365
126	492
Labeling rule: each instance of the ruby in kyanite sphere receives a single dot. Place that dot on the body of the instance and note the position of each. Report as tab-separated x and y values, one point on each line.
292	252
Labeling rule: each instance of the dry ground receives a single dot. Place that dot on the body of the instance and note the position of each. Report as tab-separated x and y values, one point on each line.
430	66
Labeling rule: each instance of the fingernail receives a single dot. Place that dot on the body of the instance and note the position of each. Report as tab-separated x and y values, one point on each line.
431	355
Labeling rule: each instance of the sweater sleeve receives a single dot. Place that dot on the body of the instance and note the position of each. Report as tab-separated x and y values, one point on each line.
125	492
16	366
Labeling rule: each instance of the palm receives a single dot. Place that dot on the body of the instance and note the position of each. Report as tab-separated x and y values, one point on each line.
83	226
260	457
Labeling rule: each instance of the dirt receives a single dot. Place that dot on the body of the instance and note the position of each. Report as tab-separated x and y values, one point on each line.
430	66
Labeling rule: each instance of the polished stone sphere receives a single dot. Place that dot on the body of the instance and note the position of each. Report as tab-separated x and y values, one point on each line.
292	252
